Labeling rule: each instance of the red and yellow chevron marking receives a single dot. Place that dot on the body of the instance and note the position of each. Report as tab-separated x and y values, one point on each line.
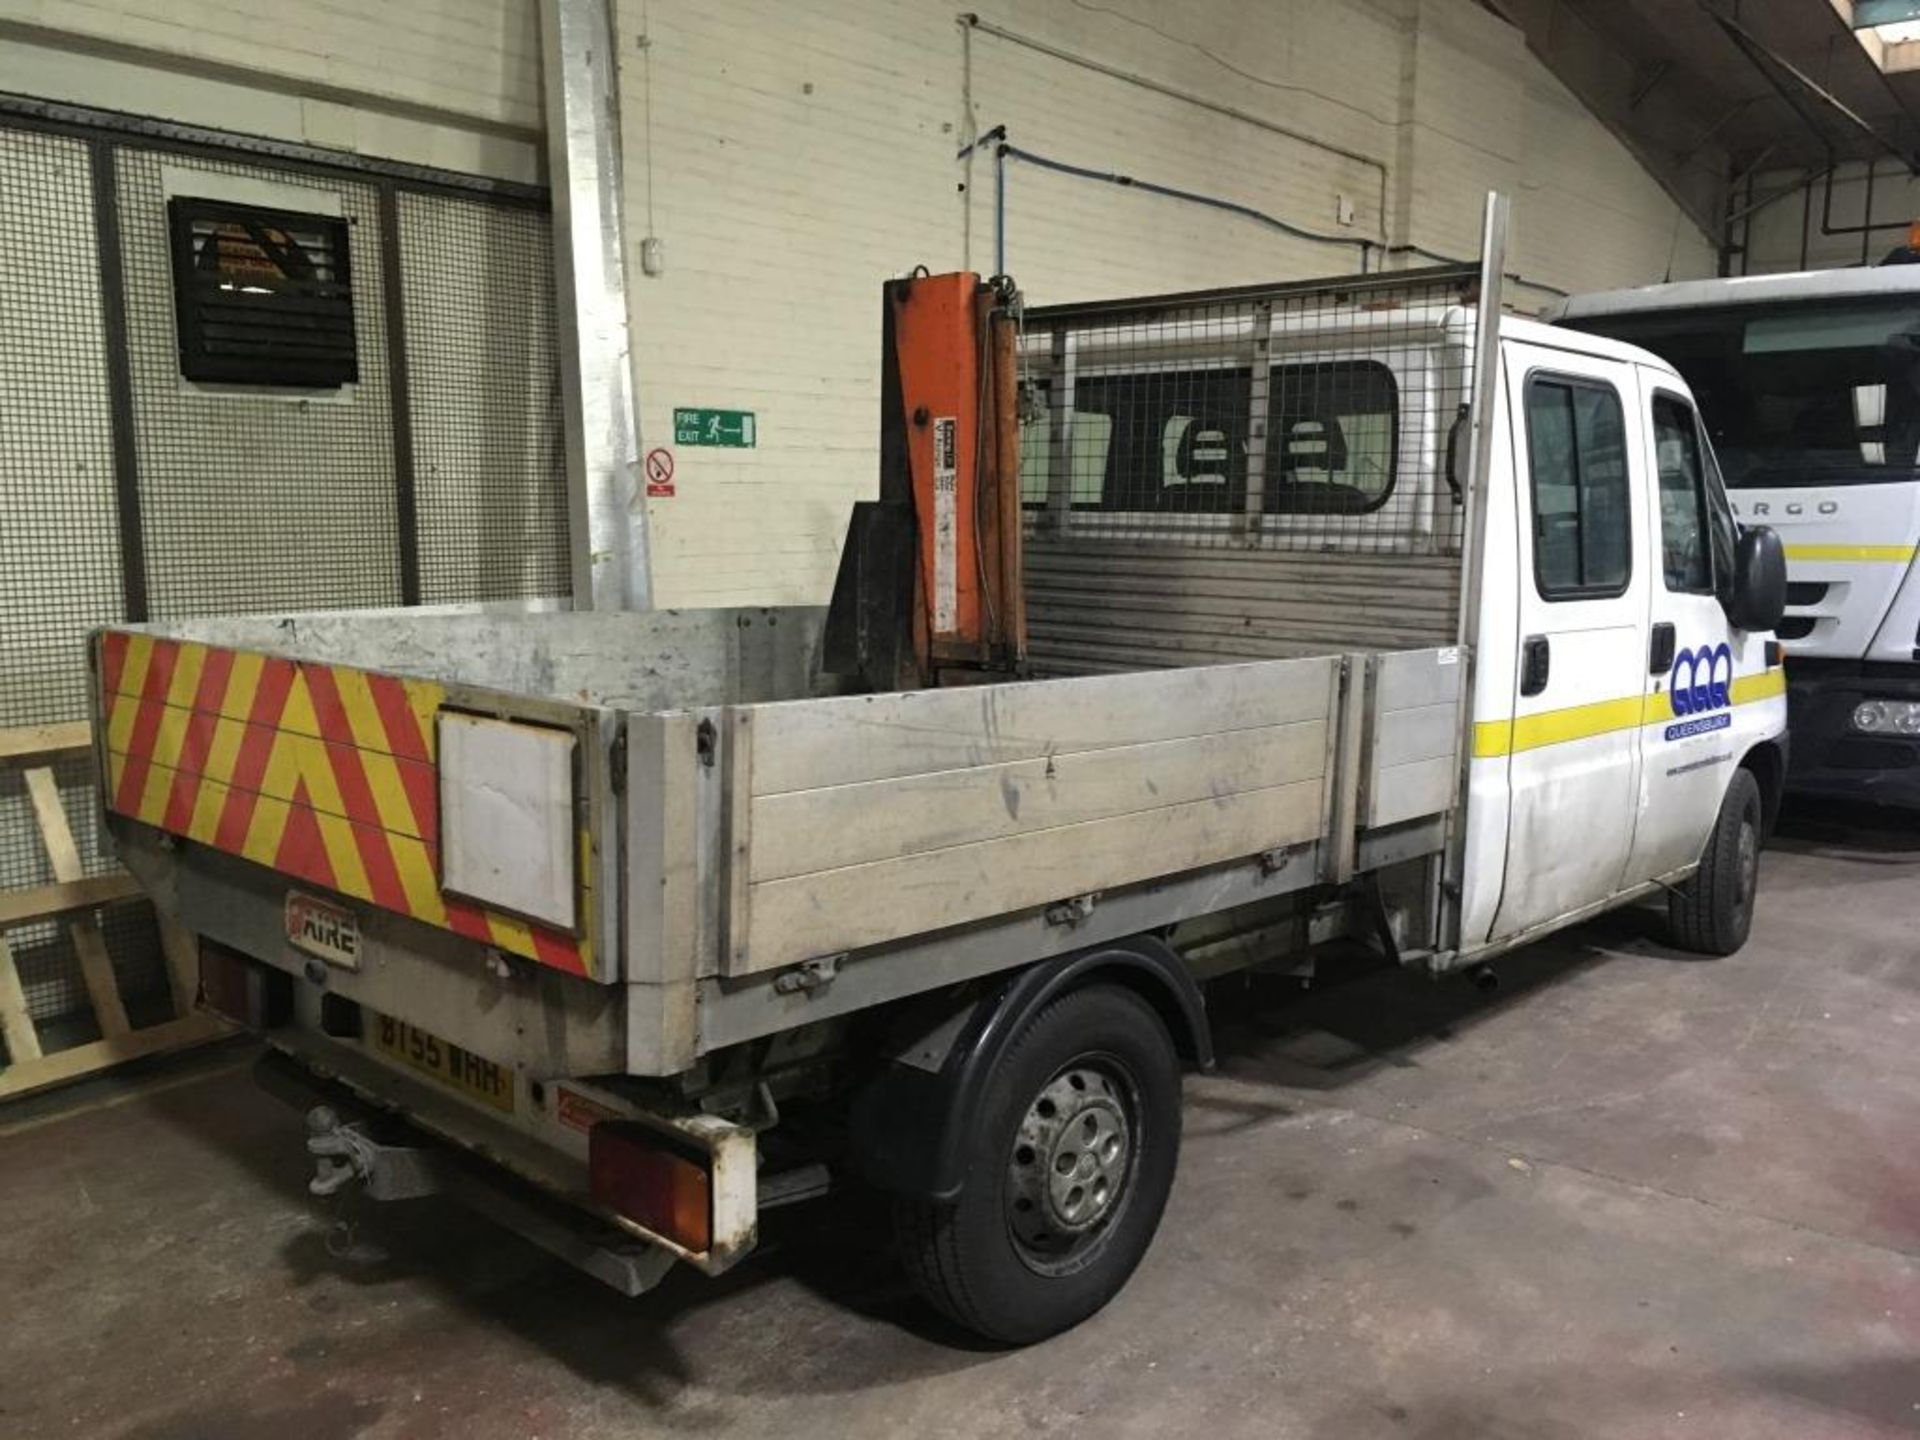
318	771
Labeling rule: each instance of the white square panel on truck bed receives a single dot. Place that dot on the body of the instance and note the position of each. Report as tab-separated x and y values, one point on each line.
507	815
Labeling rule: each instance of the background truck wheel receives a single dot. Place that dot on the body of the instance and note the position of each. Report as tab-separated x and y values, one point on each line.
1712	913
1070	1156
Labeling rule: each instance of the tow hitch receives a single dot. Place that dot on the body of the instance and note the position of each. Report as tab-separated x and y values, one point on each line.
343	1152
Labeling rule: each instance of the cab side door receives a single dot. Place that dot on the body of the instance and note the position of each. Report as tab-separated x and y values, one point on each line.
1693	655
1572	746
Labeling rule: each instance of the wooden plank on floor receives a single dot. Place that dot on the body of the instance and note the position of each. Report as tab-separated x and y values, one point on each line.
96	969
48	902
182	950
83	1060
45	742
62	854
16	1023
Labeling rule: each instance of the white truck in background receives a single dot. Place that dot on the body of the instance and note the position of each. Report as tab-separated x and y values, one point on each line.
1363	611
1810	387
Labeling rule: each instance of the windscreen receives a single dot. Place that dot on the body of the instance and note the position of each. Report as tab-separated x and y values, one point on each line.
1795	394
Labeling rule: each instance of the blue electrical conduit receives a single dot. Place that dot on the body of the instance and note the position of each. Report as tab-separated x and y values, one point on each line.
1004	148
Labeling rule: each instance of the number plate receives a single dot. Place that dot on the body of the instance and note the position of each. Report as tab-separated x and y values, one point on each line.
322	928
485	1081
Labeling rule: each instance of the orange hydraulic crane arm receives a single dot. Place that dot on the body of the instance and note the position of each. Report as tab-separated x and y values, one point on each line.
929	590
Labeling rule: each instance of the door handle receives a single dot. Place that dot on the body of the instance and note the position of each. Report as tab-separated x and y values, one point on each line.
1536	662
1660	653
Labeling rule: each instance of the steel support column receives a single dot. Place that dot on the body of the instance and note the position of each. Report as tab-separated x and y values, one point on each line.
607	517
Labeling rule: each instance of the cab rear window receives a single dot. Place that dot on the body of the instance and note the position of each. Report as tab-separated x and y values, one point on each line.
1177	440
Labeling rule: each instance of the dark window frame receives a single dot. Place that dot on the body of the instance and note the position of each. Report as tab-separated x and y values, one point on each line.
1130	446
1570	382
1348	368
1702	504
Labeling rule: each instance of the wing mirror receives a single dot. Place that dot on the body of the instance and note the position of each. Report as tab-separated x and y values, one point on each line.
1758	597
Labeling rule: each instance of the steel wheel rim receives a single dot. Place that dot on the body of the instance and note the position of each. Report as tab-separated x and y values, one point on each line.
1749	866
1072	1163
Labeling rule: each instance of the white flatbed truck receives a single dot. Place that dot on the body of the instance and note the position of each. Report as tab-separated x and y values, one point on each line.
1344	633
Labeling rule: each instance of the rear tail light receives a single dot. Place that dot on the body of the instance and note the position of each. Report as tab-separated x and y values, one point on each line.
254	995
664	1187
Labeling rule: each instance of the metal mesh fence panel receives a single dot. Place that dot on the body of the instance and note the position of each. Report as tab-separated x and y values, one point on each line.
58	515
483	374
254	499
1244	473
250	499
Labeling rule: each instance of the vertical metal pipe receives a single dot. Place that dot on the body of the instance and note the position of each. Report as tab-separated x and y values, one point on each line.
607	516
1806	218
406	498
1003	349
1866	216
1259	413
1473	545
1000	208
1059	433
111	259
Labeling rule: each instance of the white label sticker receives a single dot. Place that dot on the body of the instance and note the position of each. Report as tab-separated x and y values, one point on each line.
1448	656
946	538
321	928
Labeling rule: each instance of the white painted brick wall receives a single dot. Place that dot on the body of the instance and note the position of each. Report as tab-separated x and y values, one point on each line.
468	57
447	82
1774	239
800	155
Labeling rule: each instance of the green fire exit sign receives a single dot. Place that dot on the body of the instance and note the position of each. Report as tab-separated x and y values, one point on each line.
713	427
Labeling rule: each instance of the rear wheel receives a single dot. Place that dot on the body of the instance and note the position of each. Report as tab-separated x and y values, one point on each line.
1071	1154
1713	912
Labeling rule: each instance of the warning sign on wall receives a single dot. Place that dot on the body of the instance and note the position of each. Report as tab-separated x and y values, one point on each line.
659	473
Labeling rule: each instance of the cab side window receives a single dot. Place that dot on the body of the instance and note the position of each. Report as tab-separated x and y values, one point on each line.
1685	541
1577	462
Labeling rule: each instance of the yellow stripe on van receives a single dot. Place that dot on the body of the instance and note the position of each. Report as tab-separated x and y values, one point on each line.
1493	738
1862	554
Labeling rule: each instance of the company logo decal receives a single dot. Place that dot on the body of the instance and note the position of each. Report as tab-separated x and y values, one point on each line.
1700	686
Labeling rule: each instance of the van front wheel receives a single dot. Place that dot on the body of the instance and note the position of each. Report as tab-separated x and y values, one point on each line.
1712	913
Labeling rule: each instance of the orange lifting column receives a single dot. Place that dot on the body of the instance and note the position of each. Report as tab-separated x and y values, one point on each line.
953	346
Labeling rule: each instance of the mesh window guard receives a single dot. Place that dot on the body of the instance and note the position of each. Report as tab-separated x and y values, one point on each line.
1245	473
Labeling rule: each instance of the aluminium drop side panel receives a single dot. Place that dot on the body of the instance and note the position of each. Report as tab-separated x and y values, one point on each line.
1413	736
664	891
327	777
858	821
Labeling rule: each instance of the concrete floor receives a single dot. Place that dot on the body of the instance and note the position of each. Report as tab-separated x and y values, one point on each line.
1630	1195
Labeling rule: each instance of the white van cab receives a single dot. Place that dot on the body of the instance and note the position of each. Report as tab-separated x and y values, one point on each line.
1625	626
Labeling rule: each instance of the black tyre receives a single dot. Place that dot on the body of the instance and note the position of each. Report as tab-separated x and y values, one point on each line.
1712	913
1071	1154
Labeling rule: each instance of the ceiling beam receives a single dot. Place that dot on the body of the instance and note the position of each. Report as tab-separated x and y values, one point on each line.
1771	64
